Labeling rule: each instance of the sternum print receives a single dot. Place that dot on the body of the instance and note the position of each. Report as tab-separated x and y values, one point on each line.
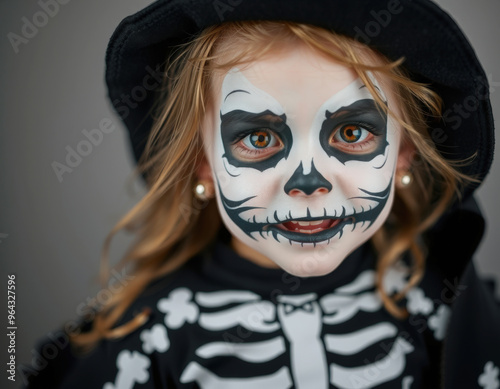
301	323
314	355
308	362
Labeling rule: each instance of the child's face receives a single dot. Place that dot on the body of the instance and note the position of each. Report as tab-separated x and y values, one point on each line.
302	160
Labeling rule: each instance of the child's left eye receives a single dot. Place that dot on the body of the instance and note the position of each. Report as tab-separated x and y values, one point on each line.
354	138
351	133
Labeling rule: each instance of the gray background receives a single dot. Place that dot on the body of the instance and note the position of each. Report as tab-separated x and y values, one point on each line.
50	91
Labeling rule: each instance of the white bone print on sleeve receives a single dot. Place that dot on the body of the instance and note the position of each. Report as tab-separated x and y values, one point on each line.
407	381
418	303
489	378
439	321
395	278
155	339
132	368
178	308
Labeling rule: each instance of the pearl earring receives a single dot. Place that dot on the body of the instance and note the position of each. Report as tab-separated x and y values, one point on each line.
202	192
406	179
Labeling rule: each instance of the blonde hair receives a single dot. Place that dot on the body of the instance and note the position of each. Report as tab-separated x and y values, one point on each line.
171	226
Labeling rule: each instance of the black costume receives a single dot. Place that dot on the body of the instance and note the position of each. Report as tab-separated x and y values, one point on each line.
221	321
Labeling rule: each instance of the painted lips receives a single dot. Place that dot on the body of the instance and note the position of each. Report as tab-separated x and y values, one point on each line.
309	227
311	231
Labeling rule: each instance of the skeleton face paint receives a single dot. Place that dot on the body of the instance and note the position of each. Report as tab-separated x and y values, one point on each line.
303	160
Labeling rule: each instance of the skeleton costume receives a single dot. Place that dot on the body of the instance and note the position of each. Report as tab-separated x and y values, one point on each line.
222	321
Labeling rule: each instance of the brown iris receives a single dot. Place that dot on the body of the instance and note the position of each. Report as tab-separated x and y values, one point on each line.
350	133
260	139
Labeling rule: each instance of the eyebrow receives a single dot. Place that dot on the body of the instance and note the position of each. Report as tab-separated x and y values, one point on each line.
236	91
266	116
273	118
354	108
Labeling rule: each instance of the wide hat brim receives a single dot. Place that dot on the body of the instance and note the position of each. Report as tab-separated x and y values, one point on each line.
435	51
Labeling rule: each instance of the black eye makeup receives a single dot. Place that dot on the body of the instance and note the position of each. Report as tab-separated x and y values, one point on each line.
355	132
256	140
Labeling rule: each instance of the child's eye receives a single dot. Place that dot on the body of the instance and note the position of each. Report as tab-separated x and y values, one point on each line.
351	133
257	145
260	139
353	138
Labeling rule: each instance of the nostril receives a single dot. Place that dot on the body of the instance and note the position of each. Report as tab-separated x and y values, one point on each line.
307	184
296	192
321	191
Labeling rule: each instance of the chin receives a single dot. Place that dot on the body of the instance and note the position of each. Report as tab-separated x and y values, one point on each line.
311	267
314	260
310	261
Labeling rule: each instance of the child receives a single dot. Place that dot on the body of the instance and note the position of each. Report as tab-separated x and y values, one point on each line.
320	135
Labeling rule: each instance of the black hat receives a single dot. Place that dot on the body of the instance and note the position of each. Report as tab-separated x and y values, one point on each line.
435	49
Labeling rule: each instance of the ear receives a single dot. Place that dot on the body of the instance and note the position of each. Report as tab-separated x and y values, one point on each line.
406	155
405	162
204	171
204	177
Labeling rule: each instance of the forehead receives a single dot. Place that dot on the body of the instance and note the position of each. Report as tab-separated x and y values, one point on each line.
292	73
299	69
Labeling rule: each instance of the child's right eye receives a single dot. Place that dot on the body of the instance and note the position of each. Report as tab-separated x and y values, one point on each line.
257	145
260	139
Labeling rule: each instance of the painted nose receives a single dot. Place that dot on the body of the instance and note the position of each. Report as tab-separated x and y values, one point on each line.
301	184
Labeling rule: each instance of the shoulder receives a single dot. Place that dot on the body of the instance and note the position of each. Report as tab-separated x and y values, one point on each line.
131	359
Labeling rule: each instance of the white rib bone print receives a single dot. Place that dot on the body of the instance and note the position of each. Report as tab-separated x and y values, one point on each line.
388	368
206	379
294	326
301	319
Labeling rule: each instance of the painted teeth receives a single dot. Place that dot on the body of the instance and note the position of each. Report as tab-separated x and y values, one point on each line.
313	223
309	231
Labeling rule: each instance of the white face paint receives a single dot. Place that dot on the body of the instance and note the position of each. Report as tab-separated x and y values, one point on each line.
303	161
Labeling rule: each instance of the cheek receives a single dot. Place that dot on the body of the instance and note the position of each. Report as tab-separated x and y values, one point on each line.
363	176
